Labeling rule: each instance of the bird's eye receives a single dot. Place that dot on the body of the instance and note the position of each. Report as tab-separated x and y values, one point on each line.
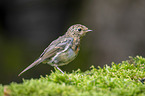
79	29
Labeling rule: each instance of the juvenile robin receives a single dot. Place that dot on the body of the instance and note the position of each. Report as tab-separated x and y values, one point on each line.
62	50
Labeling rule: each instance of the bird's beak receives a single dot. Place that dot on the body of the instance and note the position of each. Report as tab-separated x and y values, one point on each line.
89	30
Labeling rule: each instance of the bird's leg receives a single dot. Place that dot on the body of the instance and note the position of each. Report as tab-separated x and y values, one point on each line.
58	68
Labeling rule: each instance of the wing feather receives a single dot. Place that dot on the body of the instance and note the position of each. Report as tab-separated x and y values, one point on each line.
53	49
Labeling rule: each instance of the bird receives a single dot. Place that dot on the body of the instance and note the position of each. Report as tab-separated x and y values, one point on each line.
63	50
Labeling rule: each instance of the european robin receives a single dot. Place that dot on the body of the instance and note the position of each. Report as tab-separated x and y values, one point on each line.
62	50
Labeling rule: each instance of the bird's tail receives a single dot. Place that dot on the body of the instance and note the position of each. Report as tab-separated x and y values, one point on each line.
32	65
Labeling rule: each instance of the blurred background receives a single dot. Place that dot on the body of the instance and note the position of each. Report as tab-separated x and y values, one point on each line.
27	27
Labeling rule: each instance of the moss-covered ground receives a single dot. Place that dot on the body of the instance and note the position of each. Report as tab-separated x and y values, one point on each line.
123	79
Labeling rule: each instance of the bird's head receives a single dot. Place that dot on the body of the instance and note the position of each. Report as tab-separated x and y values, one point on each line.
77	30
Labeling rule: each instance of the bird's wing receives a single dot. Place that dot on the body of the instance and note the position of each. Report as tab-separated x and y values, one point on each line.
52	44
60	46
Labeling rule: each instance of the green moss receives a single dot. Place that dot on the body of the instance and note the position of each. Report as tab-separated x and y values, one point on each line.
1	90
123	79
